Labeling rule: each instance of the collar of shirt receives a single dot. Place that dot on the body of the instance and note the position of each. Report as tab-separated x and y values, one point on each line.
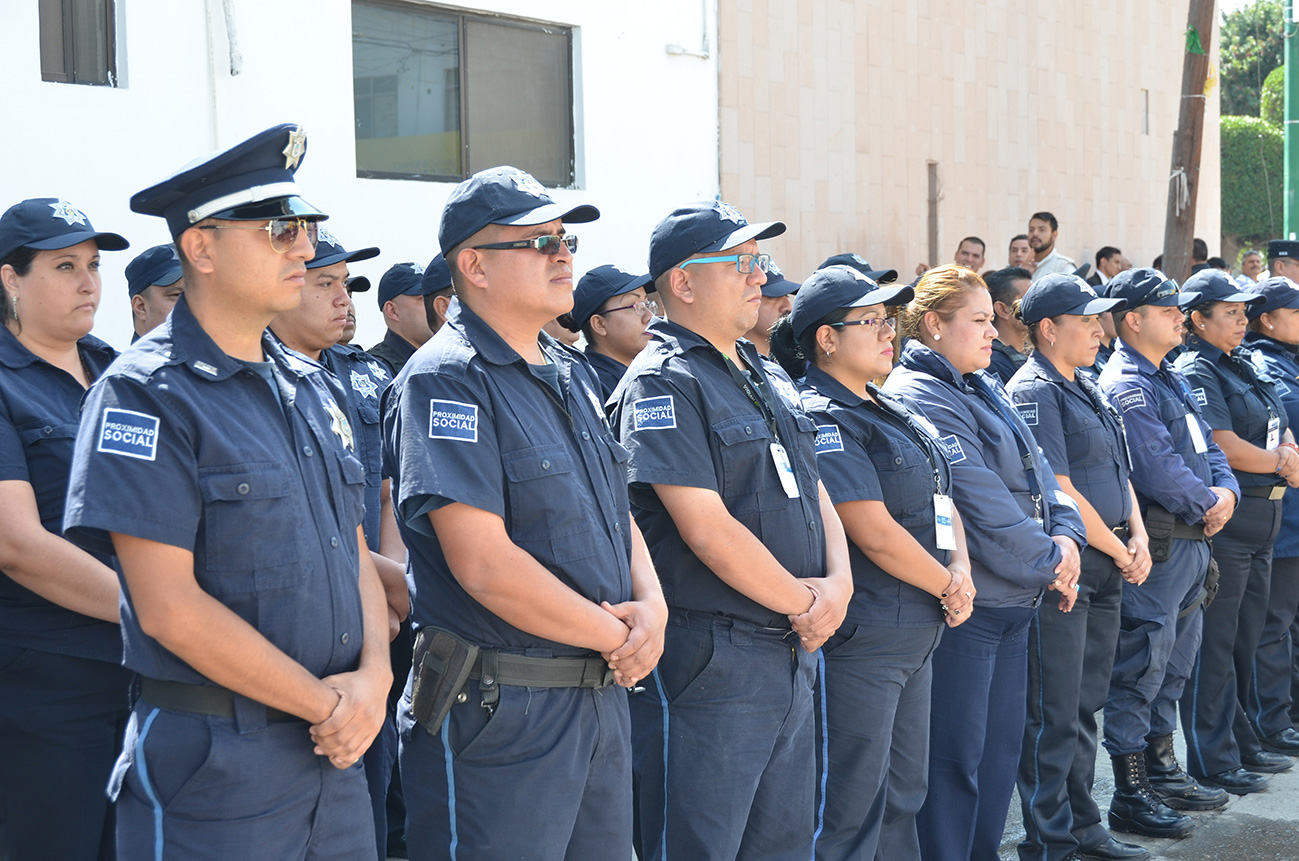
490	345
1044	369
1257	341
189	344
832	389
399	345
918	357
14	355
1143	364
1196	344
684	340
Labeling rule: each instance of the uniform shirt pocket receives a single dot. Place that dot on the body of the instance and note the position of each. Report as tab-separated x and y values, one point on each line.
48	449
907	481
244	545
747	473
547	505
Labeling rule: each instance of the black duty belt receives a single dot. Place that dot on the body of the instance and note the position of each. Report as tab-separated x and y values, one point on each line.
1274	492
1190	533
200	699
498	668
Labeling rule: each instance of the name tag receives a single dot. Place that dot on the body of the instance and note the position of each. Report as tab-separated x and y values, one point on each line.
1197	435
780	458
1273	432
943	519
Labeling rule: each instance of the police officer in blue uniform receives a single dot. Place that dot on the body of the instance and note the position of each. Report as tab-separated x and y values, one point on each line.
777	301
1185	492
1270	346
437	291
63	694
1024	535
400	296
612	313
255	619
1249	423
1070	655
890	481
154	283
532	589
753	559
856	261
1007	287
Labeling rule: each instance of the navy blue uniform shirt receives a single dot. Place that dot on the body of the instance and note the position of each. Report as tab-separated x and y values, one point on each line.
39	406
608	369
1012	556
1006	360
363	378
1079	432
1276	363
184	445
881	453
1166	469
1231	397
394	350
689	424
467	421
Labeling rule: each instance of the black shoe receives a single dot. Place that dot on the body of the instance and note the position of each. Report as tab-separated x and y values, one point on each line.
1136	809
1174	786
1286	741
1265	761
1237	781
1113	850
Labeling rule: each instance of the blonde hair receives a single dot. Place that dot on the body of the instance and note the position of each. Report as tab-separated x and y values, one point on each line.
940	290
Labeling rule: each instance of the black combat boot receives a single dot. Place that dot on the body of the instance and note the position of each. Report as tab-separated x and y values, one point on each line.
1174	786
1136	809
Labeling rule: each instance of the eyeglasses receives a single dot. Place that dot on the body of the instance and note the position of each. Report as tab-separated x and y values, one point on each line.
869	322
282	231
744	263
639	307
1162	291
543	244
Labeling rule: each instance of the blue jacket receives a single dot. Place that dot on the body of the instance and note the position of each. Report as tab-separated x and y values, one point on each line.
1276	363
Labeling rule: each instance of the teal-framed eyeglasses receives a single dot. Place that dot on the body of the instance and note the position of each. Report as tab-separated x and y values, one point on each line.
744	263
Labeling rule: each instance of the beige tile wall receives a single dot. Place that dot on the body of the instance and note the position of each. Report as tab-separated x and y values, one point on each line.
831	109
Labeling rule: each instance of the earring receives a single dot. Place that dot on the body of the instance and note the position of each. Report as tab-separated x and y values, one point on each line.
1053	342
1270	326
937	337
829	353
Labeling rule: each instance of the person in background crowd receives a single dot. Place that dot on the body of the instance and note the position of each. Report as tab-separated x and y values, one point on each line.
403	313
1249	424
856	261
1220	264
154	282
777	300
1185	493
1283	258
1006	287
969	253
1109	262
613	315
1270	346
1021	253
355	284
1199	255
64	696
438	291
1024	537
1070	655
1251	267
561	333
888	478
1042	232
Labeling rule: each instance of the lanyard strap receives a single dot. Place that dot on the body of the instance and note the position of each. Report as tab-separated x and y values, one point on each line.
1102	408
757	393
1026	458
927	443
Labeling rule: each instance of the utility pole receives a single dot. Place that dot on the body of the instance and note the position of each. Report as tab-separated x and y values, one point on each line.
1184	181
1291	218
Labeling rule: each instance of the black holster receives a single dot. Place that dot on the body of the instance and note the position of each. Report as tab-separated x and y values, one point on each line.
1159	526
442	664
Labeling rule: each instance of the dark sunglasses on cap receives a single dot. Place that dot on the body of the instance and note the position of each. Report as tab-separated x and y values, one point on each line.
543	244
1160	291
283	232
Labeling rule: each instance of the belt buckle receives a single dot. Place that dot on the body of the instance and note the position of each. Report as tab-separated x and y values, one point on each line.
1277	492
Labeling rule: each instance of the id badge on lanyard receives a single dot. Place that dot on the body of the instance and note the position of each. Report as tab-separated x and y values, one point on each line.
944	519
1273	432
780	458
1197	435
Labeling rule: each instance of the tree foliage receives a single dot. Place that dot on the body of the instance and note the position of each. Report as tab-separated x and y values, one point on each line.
1252	175
1272	104
1253	44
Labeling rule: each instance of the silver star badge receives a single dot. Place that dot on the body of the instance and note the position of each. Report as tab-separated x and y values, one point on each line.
339	424
295	149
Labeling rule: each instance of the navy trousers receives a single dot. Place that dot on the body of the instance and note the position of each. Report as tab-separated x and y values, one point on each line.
873	741
724	745
546	775
1213	707
61	724
1070	656
1156	649
976	725
1269	699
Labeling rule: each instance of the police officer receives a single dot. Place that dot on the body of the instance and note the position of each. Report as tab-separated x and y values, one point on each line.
1007	287
1024	537
1249	423
1070	655
888	477
154	282
1270	346
856	261
355	284
511	494
313	330
437	292
777	301
612	313
753	559
1185	492
63	695
221	468
400	299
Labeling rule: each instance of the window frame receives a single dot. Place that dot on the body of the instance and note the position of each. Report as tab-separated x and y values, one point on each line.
67	33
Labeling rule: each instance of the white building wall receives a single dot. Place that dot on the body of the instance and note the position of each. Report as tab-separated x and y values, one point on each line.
646	123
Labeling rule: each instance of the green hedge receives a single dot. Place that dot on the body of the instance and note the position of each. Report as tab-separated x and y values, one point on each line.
1252	164
1272	99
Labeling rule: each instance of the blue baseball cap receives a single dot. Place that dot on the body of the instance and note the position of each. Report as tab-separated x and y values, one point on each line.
401	279
598	286
251	181
833	287
856	261
159	265
1214	285
699	228
357	284
330	251
1147	286
49	223
1282	248
437	276
1278	292
502	195
1064	293
777	284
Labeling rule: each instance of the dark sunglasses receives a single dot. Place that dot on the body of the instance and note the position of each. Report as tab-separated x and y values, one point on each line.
283	232
543	244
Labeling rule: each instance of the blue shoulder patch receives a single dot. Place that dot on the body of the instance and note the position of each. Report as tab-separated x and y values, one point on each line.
952	447
658	413
452	420
129	434
1028	412
828	439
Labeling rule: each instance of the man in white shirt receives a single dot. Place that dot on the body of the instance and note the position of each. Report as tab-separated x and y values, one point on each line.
1042	230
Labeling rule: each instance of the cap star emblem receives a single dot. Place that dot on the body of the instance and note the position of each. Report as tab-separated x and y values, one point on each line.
295	148
68	212
324	236
417	268
363	385
528	185
1087	288
860	260
729	213
378	370
339	424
